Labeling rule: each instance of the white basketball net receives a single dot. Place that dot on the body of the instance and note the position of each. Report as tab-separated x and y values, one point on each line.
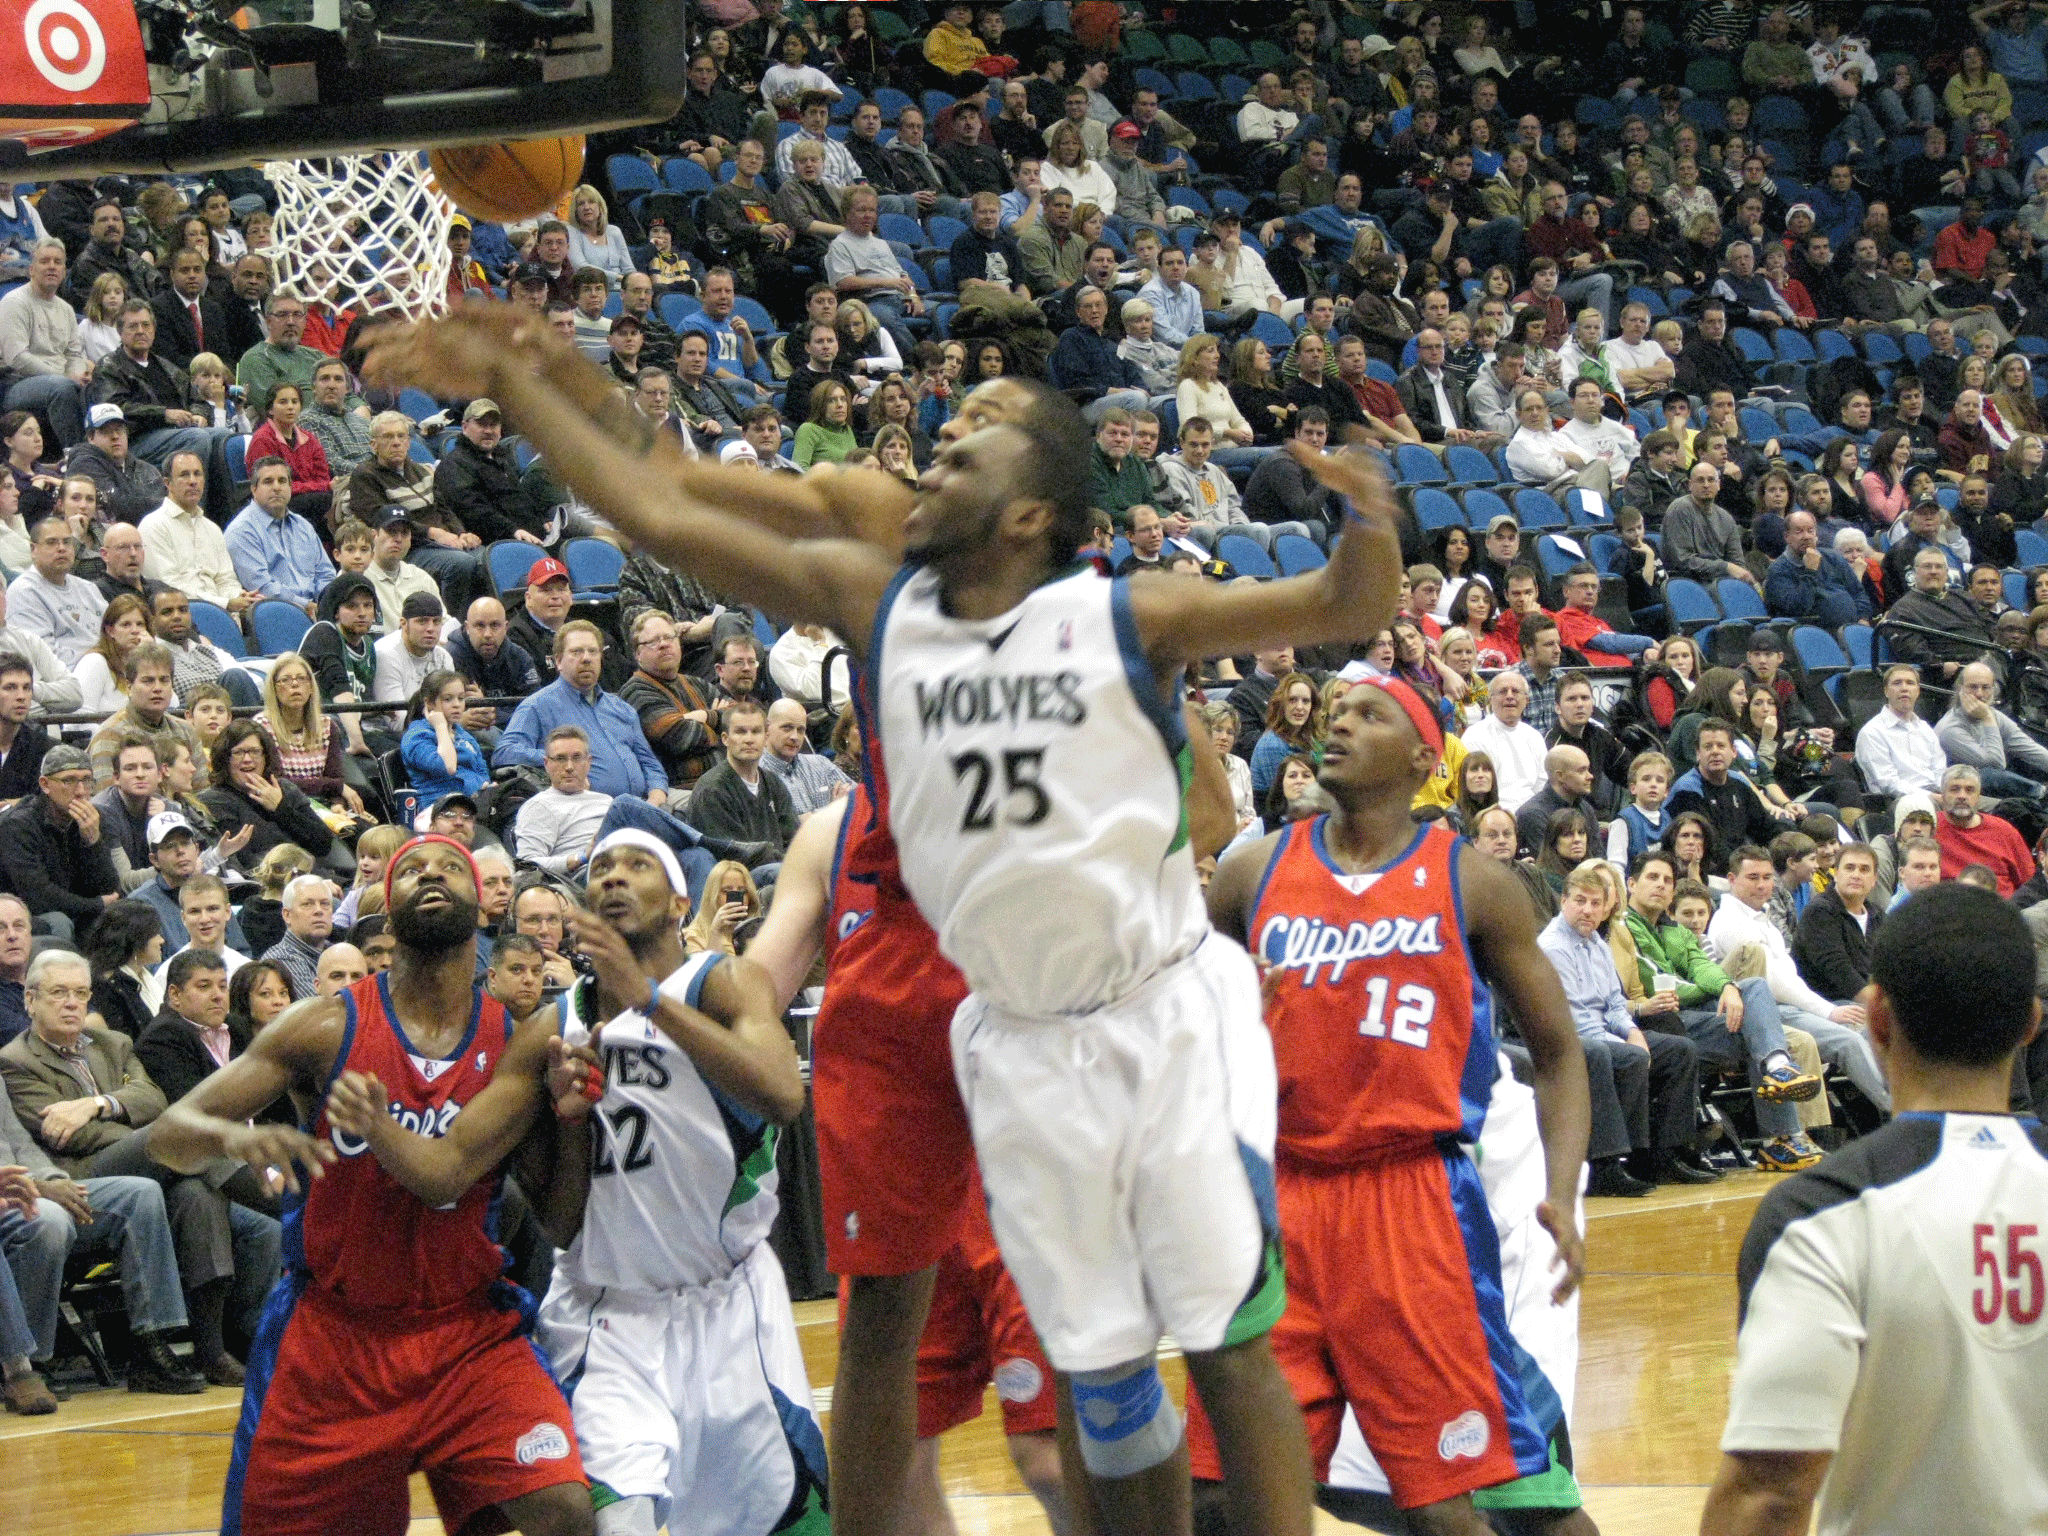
363	232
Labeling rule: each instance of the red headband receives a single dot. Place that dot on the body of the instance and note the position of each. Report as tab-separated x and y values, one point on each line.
1417	709
391	864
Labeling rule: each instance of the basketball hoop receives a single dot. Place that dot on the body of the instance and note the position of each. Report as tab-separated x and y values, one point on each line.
362	232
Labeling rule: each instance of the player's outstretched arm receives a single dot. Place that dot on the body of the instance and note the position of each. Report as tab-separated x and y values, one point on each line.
1350	598
1764	1493
1502	928
297	1049
1212	814
439	1169
1234	886
476	351
794	929
552	1163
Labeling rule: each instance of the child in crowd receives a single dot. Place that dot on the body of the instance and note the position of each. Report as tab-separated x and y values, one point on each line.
1642	821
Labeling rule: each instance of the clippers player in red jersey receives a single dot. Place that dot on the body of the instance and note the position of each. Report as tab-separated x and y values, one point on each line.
393	1344
1379	937
889	997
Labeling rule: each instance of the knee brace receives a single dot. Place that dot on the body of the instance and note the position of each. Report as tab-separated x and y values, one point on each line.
1127	1423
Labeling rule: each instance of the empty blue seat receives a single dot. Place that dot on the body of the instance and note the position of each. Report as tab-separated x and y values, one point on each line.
1554	560
2016	590
685	175
1297	555
219	626
1859	640
1245	556
892	102
1468	466
1739	600
1435	509
508	561
1416	465
594	565
1538	509
1483	506
278	626
1751	345
1692	605
1832	346
629	174
2033	549
1791	345
1273	331
1880	350
1817	650
902	229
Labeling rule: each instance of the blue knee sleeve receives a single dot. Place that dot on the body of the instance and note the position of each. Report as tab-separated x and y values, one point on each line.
1127	1423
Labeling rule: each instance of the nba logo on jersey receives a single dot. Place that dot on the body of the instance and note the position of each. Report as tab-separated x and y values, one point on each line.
1066	635
1467	1435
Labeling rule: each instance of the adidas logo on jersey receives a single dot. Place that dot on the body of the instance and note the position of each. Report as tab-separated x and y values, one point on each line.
1987	1138
543	1442
1307	944
1467	1436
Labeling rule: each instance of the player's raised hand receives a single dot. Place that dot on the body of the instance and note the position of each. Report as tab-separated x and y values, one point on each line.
282	1150
356	1103
1356	475
1571	1250
611	959
458	355
575	1078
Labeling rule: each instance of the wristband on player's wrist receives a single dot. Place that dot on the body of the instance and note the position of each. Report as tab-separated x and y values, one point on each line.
653	998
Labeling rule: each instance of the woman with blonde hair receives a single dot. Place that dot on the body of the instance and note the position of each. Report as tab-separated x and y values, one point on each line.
99	328
1200	391
1222	722
892	451
866	349
594	241
1067	168
2011	408
309	743
102	672
730	898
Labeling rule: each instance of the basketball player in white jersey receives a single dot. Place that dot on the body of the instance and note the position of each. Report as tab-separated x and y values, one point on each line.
668	1322
1117	1076
1895	1301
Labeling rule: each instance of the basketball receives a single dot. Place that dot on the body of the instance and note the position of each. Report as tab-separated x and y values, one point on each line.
511	181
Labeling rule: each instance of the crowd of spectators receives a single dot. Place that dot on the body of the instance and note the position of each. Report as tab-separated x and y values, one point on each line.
1701	359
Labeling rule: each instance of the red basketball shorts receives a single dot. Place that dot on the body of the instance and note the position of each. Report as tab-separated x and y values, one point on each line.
894	1152
1394	1306
342	1407
977	1333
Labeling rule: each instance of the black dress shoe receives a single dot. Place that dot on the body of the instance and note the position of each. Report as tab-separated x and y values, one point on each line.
1668	1167
1611	1180
156	1369
224	1370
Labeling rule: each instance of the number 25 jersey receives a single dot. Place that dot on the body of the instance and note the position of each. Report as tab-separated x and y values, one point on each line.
1382	1027
1035	776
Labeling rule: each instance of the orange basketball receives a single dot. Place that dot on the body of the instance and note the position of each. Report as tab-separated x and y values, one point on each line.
508	182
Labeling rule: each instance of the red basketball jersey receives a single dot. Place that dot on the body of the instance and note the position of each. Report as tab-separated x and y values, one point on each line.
358	1232
879	950
1382	1028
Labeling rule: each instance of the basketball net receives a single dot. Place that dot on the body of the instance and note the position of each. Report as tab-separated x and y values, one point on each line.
362	232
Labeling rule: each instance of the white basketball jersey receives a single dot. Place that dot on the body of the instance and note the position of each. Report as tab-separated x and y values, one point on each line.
1034	779
682	1179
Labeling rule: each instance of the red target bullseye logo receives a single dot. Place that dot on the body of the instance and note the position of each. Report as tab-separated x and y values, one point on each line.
65	43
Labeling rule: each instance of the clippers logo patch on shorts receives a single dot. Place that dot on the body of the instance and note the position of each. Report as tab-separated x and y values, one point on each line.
1467	1435
853	1226
1019	1381
550	1442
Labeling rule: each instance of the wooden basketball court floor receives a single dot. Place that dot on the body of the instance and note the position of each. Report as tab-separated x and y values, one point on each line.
1657	1336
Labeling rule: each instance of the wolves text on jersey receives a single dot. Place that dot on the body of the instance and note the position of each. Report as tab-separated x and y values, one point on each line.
1307	944
1049	697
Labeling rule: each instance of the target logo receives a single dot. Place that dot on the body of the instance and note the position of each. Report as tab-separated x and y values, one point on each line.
65	44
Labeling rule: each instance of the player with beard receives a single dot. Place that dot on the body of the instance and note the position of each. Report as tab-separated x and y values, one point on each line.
393	1344
895	1160
669	1312
1028	720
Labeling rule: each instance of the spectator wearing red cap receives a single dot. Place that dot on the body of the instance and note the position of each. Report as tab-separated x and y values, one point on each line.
543	612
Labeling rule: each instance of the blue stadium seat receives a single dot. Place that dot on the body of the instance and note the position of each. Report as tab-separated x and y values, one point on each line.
1554	560
945	231
903	229
1245	556
1739	600
219	626
1468	466
1149	79
1190	86
1435	509
1382	372
758	319
936	102
1758	427
682	174
1297	555
1273	331
1791	345
1188	197
508	561
2016	590
1416	465
1692	605
1818	652
1832	346
594	566
1916	346
1751	345
1882	351
1859	640
629	174
1607	551
2033	549
1584	509
416	403
1538	509
675	308
278	626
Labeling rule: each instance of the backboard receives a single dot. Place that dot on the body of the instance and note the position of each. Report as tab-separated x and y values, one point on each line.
148	86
